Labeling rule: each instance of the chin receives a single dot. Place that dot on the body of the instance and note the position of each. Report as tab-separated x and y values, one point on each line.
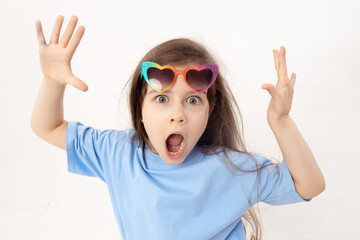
176	161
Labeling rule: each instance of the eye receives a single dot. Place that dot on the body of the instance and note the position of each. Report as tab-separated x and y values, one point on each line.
193	100
161	98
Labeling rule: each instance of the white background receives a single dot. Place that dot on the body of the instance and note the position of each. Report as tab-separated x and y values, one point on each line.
39	199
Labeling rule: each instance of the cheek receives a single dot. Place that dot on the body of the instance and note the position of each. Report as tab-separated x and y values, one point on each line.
152	122
147	111
149	119
199	122
152	115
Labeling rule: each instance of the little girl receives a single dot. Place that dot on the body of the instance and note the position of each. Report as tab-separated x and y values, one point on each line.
183	171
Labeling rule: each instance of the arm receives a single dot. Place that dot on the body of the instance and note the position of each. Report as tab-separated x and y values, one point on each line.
48	113
307	176
47	119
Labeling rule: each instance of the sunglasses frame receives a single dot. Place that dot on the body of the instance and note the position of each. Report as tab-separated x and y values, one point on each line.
146	65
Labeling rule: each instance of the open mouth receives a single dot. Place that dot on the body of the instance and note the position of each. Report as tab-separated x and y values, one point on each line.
175	146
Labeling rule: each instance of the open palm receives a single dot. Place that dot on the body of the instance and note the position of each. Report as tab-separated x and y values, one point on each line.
56	56
282	93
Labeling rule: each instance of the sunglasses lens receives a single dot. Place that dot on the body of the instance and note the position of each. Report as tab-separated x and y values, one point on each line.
199	80
160	79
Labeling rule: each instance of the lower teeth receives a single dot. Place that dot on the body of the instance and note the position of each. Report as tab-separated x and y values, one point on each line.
181	147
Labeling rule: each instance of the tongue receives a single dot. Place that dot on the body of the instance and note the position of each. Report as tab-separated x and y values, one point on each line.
173	142
174	139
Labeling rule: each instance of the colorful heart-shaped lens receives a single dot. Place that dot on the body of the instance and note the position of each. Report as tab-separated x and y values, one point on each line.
199	80
160	78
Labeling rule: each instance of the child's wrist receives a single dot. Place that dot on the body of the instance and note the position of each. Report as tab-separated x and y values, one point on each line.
278	122
53	82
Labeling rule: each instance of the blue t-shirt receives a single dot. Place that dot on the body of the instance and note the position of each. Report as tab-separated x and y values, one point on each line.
197	199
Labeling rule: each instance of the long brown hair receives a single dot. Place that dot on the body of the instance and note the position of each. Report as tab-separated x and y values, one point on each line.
223	131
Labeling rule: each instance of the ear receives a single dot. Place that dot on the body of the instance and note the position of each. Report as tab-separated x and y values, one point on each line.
211	108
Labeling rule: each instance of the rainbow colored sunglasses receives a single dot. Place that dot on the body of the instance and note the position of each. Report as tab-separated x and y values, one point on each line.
161	78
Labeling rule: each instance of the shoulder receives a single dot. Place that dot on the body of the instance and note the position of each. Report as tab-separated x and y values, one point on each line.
244	160
81	130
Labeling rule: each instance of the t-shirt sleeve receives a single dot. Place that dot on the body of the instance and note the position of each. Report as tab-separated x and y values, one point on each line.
276	186
86	149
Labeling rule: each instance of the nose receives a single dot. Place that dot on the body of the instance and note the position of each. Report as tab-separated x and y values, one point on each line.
178	115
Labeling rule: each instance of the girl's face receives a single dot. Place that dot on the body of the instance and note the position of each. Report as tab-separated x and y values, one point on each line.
179	110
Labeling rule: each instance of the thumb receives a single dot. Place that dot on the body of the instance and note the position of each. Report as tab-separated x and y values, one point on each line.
270	88
77	83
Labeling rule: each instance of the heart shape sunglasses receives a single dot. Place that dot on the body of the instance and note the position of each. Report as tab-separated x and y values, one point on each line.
161	78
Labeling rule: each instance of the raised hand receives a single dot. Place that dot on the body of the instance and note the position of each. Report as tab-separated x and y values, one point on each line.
55	57
282	94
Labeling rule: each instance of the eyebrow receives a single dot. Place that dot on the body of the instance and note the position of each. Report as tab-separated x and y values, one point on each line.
189	92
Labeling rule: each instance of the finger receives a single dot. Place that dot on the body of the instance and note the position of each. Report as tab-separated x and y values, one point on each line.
56	30
276	59
277	62
39	33
77	83
76	39
270	88
282	64
69	31
292	80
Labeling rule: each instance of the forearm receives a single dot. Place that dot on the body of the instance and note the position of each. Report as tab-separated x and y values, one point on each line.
48	112
308	178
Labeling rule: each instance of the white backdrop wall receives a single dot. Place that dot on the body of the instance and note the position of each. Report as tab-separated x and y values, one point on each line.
39	199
